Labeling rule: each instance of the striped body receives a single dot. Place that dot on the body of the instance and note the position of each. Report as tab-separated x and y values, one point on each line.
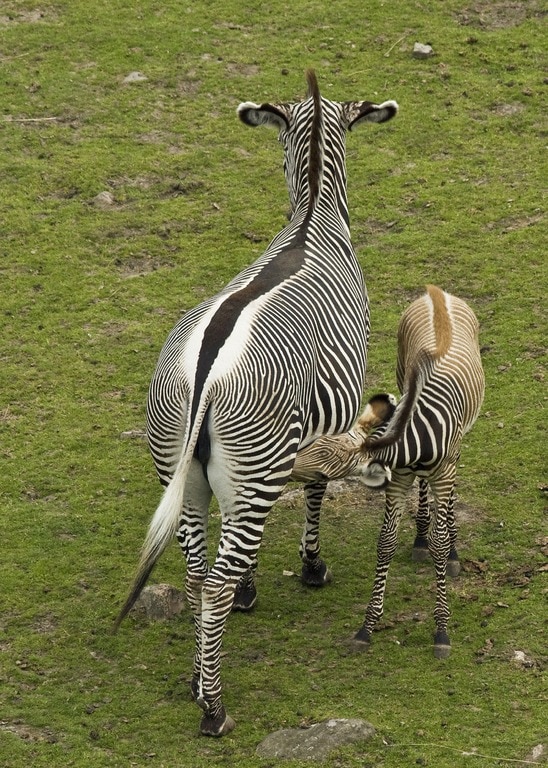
248	377
440	375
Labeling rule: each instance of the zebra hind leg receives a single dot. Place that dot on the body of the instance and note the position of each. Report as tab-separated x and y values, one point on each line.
439	543
420	546
314	572
453	563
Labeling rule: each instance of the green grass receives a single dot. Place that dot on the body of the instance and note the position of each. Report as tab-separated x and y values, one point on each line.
449	192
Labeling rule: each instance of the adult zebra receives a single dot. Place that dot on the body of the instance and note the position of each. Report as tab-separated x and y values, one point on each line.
245	379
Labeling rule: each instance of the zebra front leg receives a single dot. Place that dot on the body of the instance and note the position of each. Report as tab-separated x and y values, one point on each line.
420	545
396	492
440	545
314	572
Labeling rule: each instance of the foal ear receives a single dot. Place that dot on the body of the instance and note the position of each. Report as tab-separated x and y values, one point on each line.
374	474
264	114
356	112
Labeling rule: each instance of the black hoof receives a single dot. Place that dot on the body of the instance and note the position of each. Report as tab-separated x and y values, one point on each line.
245	598
442	645
315	575
216	726
363	636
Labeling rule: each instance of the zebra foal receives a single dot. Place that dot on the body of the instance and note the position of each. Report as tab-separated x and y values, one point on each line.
255	373
440	376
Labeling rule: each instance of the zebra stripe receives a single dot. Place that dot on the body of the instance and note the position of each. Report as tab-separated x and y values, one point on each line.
255	373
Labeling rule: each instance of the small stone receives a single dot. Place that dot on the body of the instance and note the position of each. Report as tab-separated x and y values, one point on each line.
314	743
422	51
159	601
135	77
104	200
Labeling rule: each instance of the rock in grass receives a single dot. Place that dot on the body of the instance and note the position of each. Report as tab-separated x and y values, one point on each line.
104	200
159	601
316	742
135	77
421	51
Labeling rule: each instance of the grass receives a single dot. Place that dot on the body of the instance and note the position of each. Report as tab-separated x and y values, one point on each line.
449	192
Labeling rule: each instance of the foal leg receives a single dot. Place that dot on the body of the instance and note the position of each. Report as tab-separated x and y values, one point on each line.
396	493
440	546
453	563
315	572
420	545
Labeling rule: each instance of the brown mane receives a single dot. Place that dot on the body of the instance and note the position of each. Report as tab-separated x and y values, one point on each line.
315	152
442	322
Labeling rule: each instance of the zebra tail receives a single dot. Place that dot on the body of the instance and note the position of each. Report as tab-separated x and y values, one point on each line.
416	379
165	521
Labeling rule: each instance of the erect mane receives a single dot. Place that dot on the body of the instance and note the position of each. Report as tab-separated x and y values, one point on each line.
443	327
316	150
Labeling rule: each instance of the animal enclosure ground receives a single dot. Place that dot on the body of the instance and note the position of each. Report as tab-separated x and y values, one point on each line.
126	199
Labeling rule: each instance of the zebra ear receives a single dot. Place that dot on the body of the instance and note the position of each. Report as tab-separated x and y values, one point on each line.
264	114
364	111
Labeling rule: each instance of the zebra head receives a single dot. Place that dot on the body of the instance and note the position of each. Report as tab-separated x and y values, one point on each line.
313	134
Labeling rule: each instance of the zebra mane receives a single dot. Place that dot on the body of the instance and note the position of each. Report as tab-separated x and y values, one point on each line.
315	154
441	320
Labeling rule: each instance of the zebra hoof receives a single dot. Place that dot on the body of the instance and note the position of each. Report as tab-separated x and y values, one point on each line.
419	554
442	645
362	639
217	726
245	599
453	568
316	576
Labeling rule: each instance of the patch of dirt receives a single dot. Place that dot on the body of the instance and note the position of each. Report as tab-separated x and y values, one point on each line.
136	266
45	625
512	224
28	732
507	110
248	70
498	15
27	17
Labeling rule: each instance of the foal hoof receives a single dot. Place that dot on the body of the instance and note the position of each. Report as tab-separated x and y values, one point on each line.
442	645
220	726
453	568
315	576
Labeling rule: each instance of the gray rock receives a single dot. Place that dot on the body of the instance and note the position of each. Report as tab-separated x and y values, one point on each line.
104	200
159	601
421	51
316	742
135	77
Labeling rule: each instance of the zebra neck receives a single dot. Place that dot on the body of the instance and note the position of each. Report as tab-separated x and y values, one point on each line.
327	208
